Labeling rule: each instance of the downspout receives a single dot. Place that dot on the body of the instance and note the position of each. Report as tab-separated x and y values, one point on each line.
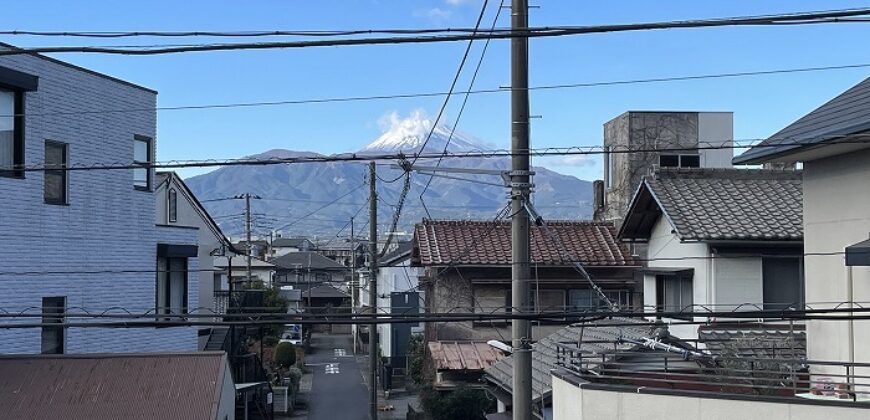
851	298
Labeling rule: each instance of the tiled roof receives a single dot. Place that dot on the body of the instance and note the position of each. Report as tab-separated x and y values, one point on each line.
597	338
305	260
456	355
756	340
112	386
719	204
439	242
846	114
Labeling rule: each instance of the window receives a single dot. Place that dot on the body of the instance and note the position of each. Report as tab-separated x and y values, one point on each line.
52	335
173	206
586	299
674	292
782	283
142	155
608	168
171	287
548	300
11	132
679	161
55	188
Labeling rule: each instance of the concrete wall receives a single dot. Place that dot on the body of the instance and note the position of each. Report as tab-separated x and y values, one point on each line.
716	128
572	402
103	244
836	215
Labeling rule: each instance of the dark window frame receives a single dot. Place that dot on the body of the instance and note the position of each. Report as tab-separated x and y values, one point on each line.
150	159
53	315
17	136
64	200
679	279
172	205
679	160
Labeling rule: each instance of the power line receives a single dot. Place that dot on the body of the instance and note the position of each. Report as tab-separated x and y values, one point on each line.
474	154
464	103
322	207
437	94
817	17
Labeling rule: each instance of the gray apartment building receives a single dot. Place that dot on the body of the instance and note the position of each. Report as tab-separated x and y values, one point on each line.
84	239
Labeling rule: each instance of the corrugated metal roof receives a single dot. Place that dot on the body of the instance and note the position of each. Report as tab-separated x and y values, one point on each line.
111	386
846	114
456	355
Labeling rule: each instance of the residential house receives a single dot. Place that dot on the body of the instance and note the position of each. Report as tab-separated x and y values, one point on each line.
460	363
281	246
610	342
183	386
719	240
85	238
466	267
260	248
322	280
833	145
343	253
235	266
177	206
397	295
687	140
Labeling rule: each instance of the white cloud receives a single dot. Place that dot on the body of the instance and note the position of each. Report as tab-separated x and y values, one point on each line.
460	2
393	119
578	161
435	14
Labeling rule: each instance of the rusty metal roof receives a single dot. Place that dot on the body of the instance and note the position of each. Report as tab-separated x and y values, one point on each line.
112	386
457	355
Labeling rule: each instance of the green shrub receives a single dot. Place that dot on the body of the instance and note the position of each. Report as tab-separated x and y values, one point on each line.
285	355
270	340
415	359
294	375
463	403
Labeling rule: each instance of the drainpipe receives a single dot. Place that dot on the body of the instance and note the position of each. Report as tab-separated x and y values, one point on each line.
851	297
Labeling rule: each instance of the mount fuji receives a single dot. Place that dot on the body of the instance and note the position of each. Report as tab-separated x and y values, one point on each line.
295	199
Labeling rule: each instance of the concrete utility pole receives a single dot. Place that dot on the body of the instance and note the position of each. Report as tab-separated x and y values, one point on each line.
248	234
521	332
373	291
353	300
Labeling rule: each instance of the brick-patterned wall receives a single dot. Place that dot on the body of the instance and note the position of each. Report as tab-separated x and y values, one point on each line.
107	226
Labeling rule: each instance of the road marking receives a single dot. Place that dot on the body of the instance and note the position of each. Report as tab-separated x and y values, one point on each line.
331	368
340	353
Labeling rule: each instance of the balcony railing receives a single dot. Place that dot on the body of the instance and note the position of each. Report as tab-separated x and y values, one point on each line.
697	371
238	301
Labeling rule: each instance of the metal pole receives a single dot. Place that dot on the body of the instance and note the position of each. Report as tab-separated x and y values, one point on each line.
248	233
373	292
521	332
353	282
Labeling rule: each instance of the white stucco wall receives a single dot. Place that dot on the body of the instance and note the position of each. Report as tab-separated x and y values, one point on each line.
401	278
836	215
571	402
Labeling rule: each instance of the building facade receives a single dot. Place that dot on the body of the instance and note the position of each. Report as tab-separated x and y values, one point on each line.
689	139
88	238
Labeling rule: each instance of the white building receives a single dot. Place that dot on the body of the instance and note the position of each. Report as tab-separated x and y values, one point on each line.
833	144
718	240
85	239
397	294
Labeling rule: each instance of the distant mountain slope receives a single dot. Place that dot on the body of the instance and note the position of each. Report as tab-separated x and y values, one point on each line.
289	192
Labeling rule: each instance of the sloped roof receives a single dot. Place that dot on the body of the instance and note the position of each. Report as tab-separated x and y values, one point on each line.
595	337
719	204
172	177
845	115
112	386
459	355
442	242
755	340
305	260
401	253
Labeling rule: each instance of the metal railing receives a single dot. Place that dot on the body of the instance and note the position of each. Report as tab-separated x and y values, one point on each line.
237	300
729	374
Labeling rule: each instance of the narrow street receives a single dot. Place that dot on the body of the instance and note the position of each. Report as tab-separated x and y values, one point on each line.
337	391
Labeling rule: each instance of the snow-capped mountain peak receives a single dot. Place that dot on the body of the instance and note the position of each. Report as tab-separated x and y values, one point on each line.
409	134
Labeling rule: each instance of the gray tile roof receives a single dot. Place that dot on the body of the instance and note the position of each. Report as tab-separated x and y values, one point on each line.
846	114
598	337
719	204
755	340
307	259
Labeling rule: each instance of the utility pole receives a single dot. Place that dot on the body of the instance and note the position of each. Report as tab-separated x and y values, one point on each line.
521	332
353	299
373	291
248	233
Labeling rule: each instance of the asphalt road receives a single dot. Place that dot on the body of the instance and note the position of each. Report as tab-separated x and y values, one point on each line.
337	390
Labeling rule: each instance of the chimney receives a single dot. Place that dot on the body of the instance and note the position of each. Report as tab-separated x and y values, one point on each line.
598	199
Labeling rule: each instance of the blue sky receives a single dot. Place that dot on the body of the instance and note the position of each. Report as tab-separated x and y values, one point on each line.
761	105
